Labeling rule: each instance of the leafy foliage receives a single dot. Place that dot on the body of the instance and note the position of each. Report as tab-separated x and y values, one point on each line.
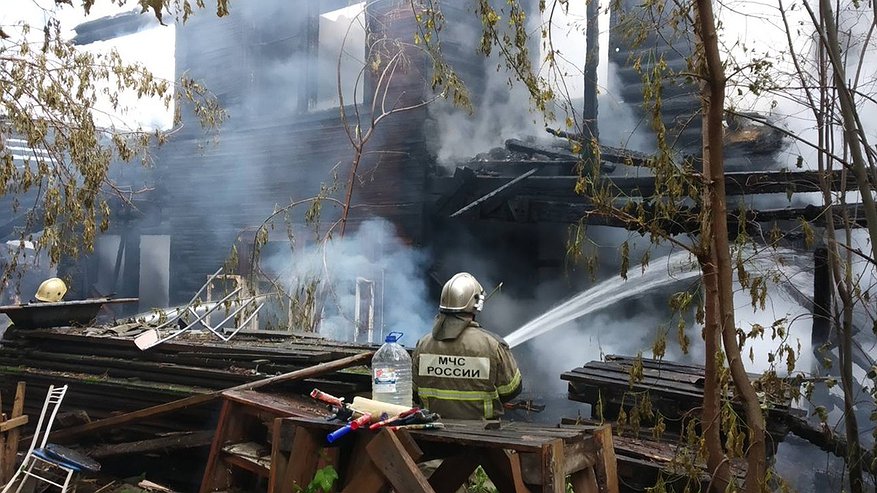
62	128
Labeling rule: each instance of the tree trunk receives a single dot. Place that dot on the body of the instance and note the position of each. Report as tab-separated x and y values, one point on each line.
713	166
854	464
843	279
716	462
849	120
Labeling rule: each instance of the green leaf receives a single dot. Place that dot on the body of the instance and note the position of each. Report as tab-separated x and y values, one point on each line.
325	478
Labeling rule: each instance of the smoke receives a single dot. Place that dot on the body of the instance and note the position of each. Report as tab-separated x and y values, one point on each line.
113	26
501	103
375	257
755	33
503	107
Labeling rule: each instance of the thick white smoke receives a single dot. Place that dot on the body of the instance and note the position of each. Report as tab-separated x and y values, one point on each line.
374	253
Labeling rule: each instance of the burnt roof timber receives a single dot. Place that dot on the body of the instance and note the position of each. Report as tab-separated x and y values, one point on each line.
112	26
538	210
553	153
736	183
495	197
607	153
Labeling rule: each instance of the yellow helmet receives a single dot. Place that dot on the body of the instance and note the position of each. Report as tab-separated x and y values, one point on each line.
51	290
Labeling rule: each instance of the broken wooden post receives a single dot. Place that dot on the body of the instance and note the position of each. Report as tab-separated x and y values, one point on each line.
10	430
196	400
821	298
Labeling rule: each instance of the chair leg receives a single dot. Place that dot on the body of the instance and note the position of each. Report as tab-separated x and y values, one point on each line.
24	479
67	481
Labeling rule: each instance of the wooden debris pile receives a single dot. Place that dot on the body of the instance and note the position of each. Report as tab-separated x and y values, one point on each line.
642	459
674	390
200	435
671	390
108	374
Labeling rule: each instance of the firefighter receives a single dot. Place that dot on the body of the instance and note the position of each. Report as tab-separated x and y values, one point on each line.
461	370
51	290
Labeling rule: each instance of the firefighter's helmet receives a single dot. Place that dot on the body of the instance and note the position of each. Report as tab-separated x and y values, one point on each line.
462	294
51	290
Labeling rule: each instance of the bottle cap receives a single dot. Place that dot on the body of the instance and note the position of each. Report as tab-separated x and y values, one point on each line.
393	337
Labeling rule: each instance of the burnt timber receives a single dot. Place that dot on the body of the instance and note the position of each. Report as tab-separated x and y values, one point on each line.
675	390
642	460
535	197
108	375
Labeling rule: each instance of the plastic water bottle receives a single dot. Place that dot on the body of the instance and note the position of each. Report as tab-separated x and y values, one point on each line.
391	372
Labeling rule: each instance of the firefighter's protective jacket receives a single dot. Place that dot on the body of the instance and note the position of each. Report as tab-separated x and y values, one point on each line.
468	376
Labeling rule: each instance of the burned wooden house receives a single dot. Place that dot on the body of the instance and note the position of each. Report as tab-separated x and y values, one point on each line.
293	134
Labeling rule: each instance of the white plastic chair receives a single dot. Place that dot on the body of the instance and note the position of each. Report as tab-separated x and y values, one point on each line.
38	454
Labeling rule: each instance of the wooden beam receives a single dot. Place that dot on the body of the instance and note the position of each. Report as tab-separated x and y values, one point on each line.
736	183
279	459
553	475
584	481
457	188
13	423
303	460
172	442
834	443
545	210
609	154
606	468
217	477
361	474
453	472
494	196
9	443
503	467
197	400
411	448
389	455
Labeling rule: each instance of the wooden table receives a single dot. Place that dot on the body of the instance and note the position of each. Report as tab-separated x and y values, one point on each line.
517	457
242	446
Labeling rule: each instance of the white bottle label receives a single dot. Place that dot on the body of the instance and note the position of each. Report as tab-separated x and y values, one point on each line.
385	380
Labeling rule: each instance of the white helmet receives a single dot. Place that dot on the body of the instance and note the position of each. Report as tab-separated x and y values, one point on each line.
462	294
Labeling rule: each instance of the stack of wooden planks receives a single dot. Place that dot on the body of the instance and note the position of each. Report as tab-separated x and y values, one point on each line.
674	390
109	375
642	459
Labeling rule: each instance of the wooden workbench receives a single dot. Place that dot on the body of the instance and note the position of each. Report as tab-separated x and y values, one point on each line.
241	450
517	457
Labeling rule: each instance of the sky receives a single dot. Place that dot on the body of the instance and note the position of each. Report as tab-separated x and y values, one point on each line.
152	47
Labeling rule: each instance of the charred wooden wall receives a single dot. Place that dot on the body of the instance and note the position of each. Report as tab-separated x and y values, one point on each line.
273	150
638	39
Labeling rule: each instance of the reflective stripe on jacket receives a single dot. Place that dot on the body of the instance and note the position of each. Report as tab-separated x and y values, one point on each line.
465	378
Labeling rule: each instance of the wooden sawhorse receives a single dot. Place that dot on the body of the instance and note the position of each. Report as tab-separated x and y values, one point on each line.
518	457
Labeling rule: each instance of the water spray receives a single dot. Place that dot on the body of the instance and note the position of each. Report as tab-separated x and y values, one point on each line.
679	267
605	294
